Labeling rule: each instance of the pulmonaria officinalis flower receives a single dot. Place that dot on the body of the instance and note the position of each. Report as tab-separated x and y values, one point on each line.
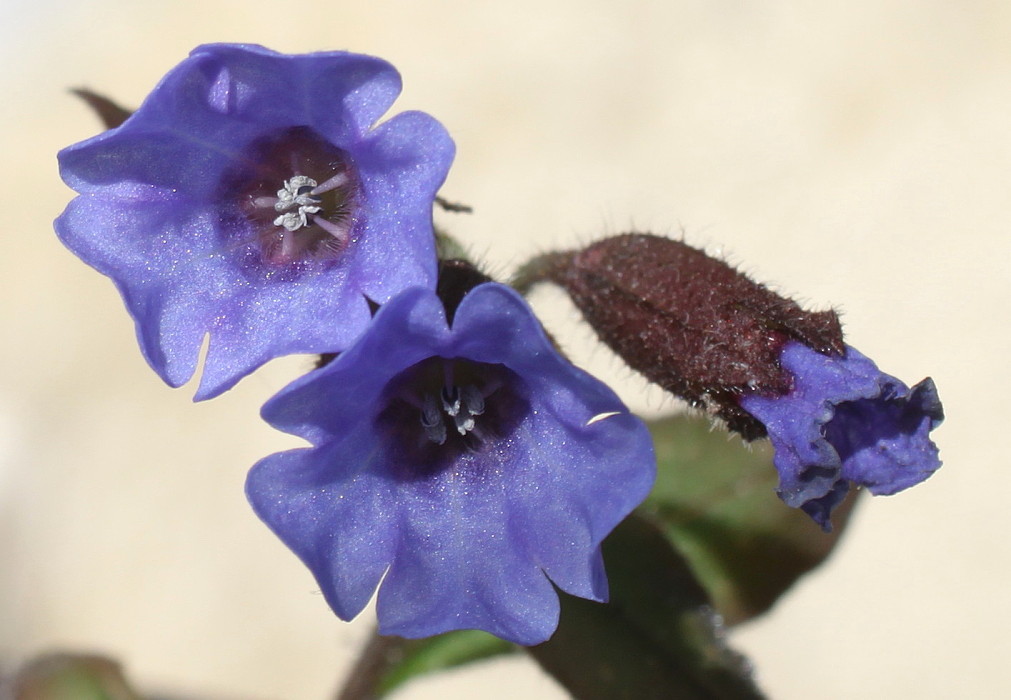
252	197
462	462
845	421
705	332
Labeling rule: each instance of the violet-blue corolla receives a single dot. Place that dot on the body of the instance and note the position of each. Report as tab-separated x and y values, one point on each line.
253	197
463	463
845	422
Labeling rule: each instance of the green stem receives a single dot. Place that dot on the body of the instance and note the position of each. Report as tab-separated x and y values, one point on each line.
537	269
377	658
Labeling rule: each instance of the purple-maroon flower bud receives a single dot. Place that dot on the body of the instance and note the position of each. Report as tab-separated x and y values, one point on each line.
688	322
705	332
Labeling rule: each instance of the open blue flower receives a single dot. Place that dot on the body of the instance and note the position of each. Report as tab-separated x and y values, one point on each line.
253	198
846	422
467	466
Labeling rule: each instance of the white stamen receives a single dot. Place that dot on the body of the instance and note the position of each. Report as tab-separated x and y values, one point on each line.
291	189
297	192
288	247
464	424
291	220
431	421
461	404
331	184
451	401
473	400
336	230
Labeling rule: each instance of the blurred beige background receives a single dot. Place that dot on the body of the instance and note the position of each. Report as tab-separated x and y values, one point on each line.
856	153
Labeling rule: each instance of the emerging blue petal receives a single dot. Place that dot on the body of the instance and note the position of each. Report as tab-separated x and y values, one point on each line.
472	465
843	422
252	198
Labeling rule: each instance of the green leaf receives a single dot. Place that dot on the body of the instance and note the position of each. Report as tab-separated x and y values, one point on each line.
420	656
658	637
715	498
386	663
72	677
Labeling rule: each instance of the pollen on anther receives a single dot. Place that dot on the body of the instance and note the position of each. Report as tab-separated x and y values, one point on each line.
462	404
296	192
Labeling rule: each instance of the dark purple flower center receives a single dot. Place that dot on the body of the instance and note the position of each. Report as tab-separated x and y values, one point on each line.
292	199
863	424
440	409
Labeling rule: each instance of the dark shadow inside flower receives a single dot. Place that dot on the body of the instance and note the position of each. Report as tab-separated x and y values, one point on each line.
818	473
860	425
820	509
441	409
883	441
290	204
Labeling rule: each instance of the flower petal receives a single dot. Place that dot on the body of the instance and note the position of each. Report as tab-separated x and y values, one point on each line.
846	421
334	511
458	565
176	206
577	483
483	522
403	332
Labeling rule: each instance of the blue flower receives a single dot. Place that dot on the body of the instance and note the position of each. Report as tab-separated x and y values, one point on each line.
467	466
253	198
846	422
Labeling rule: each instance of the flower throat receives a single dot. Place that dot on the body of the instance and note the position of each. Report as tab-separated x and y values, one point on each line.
299	194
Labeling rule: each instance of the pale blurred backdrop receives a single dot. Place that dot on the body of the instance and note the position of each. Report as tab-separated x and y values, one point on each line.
856	154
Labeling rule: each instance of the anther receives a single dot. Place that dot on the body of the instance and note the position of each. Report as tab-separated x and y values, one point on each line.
470	403
431	421
451	400
461	403
297	192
